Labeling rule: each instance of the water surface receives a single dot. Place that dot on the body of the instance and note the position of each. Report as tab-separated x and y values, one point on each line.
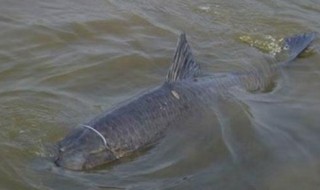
64	61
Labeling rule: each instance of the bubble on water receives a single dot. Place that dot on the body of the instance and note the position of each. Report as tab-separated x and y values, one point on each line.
267	43
205	8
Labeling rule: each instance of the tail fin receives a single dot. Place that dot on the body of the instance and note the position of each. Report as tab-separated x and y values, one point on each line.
261	79
297	44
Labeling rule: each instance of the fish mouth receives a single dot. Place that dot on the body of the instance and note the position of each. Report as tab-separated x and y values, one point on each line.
68	160
75	164
82	161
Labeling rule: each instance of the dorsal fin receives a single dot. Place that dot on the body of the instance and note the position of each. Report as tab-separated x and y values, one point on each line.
183	66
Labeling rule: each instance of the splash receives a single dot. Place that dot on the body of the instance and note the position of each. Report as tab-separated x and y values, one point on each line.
267	43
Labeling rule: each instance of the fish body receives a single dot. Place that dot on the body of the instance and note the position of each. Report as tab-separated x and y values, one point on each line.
141	121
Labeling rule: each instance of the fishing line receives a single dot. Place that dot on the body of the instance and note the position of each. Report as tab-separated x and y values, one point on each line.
97	132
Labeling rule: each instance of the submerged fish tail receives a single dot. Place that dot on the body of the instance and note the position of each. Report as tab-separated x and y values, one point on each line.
261	78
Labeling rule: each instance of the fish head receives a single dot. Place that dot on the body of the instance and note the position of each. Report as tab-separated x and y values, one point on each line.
81	150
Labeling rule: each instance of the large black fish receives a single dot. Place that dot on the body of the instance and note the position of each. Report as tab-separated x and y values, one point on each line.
141	121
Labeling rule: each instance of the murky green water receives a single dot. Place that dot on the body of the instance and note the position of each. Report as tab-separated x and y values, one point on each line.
64	61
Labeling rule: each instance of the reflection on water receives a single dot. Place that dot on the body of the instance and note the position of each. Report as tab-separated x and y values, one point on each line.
63	62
